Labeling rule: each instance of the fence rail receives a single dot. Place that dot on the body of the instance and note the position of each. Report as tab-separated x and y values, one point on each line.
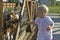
8	4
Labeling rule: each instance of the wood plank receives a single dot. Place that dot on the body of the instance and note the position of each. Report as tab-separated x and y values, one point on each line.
18	30
1	22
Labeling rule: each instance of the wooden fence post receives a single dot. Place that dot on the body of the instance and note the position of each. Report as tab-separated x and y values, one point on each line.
1	21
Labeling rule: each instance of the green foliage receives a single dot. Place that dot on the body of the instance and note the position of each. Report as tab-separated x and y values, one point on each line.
53	2
58	3
13	0
54	9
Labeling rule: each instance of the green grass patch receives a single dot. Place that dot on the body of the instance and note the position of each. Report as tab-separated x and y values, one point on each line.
54	9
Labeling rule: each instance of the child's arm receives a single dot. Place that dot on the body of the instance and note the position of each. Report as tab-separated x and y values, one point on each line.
50	24
50	27
32	22
36	21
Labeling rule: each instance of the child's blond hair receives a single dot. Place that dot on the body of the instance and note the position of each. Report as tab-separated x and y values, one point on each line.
44	8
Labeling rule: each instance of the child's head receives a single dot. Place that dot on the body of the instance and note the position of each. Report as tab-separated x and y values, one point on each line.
42	11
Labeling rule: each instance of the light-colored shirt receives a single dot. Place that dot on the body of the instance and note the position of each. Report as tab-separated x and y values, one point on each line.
44	23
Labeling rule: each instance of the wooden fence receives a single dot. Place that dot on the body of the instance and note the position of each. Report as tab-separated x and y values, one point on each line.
8	4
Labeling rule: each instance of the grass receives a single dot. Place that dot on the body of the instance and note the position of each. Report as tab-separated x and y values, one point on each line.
54	9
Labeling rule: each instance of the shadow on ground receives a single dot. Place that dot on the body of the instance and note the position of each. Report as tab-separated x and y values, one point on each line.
56	36
56	31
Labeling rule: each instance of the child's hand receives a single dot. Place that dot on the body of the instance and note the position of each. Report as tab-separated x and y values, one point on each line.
48	28
32	22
